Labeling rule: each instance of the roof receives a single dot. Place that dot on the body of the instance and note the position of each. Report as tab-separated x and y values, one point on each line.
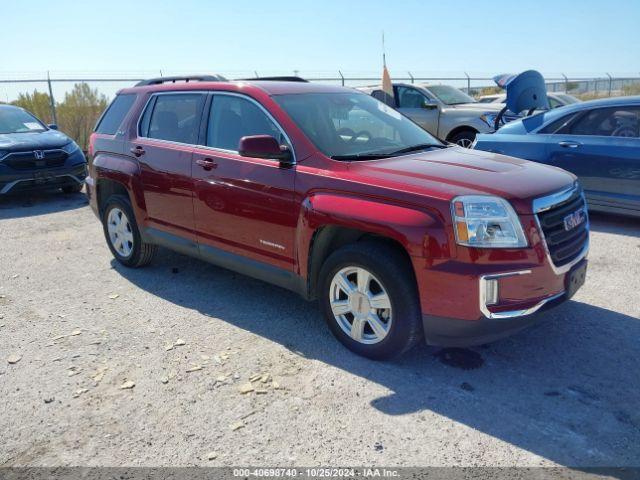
267	86
608	102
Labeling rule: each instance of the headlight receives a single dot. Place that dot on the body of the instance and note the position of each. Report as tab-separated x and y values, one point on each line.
484	221
489	119
70	147
2	153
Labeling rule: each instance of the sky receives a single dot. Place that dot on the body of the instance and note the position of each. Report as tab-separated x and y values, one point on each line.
236	38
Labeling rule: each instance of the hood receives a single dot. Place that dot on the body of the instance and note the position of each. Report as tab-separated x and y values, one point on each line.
33	141
477	106
455	171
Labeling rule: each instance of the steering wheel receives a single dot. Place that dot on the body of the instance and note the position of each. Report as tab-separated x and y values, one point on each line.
346	132
625	131
359	134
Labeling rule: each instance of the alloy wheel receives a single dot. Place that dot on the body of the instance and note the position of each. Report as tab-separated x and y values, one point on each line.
360	304
465	142
120	232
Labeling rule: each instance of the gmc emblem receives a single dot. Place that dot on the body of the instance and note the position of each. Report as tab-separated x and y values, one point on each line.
574	219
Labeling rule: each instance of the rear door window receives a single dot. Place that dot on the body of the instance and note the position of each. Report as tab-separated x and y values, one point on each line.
173	117
558	124
115	113
232	117
607	122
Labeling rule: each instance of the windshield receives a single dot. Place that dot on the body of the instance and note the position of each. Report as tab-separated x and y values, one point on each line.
353	124
16	120
450	95
567	98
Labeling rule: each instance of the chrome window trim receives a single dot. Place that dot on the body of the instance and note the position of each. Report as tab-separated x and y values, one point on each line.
208	147
151	97
543	204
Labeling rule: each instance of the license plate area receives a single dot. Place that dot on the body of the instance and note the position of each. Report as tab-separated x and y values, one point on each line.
575	279
43	177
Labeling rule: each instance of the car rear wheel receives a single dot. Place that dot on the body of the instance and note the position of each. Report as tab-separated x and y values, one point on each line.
369	299
464	139
122	234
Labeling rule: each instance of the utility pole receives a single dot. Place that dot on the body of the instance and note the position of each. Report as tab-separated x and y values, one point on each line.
54	117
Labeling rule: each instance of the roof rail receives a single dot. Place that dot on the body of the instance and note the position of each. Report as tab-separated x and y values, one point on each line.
187	78
276	79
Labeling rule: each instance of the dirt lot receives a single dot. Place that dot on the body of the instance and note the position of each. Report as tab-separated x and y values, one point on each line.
185	337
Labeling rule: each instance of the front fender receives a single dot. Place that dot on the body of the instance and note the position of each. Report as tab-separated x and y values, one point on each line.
421	232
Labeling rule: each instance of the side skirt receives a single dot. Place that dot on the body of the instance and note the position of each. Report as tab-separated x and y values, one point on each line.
231	261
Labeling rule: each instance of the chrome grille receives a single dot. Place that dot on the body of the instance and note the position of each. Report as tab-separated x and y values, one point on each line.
27	160
565	243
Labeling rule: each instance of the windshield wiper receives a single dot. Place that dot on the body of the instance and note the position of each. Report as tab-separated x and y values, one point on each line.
362	156
415	148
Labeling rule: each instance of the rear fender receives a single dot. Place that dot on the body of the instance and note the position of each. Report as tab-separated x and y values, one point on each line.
126	171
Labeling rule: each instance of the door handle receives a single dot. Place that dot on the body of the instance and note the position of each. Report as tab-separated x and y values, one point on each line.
137	151
566	144
206	163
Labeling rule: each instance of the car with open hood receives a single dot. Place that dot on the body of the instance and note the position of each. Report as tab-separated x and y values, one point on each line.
442	110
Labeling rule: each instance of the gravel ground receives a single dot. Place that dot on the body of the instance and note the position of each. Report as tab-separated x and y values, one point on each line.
117	367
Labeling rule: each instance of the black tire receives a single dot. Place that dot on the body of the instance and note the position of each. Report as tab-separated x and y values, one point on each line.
75	188
464	139
141	252
395	273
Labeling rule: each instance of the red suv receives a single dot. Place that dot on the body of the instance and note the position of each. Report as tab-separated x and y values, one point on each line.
332	194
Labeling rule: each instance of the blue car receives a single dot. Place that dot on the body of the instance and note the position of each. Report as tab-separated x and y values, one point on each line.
36	156
598	141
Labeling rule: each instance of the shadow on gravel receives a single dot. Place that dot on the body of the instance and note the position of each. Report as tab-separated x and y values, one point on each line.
566	389
616	224
39	203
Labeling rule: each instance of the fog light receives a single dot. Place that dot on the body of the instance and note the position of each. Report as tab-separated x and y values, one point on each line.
491	292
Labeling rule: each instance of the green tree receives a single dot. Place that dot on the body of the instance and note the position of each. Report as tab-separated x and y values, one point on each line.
37	103
79	111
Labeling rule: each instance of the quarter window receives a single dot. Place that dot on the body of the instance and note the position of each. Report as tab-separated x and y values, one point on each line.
232	118
115	114
175	117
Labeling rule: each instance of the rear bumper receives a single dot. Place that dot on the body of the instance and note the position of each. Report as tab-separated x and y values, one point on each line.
18	181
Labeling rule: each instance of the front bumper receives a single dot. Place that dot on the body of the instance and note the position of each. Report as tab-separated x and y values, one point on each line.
481	295
15	181
451	332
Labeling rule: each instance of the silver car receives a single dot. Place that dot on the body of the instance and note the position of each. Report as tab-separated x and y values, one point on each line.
442	110
556	99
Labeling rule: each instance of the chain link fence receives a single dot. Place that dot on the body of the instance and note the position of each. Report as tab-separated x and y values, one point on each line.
75	100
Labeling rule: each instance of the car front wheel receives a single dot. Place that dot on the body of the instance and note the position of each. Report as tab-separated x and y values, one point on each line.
370	301
464	139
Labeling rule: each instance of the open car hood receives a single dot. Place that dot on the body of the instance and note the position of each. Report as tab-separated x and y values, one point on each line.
525	91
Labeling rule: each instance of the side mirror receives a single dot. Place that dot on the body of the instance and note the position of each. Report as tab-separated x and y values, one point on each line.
265	146
53	126
429	105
